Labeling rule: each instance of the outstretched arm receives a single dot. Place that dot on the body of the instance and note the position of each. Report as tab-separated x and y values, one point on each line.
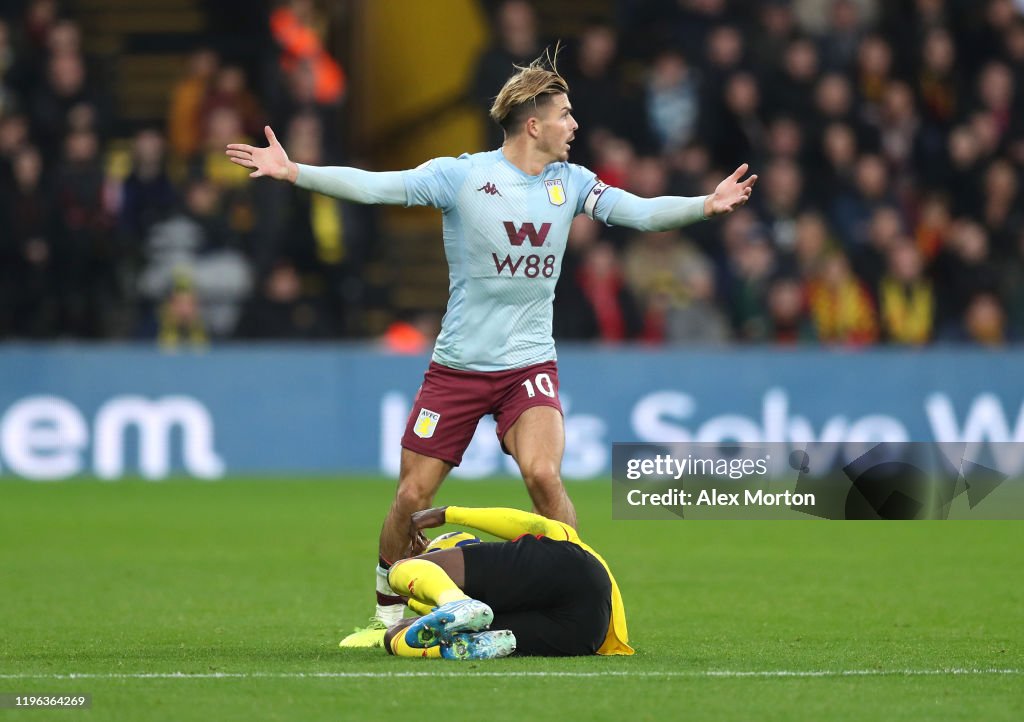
350	184
502	523
667	212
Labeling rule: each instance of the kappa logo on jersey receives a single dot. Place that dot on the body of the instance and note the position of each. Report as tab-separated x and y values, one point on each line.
556	193
426	424
490	189
527	230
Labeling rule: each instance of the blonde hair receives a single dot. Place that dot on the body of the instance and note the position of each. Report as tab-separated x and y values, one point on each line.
529	88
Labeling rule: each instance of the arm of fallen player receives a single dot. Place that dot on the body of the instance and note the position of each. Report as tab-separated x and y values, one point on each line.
508	523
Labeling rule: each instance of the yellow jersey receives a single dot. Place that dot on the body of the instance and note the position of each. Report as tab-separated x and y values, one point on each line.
512	523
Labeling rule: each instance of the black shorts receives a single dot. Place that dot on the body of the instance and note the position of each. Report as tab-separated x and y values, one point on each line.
553	595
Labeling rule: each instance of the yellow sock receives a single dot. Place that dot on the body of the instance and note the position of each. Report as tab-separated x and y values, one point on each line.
400	648
419	607
424	581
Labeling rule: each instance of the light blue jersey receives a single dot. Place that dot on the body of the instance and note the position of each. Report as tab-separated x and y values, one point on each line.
504	236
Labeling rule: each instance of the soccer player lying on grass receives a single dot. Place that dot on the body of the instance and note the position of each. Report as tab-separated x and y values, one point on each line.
541	593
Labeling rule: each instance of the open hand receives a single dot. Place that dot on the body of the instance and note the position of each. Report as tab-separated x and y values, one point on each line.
730	194
271	161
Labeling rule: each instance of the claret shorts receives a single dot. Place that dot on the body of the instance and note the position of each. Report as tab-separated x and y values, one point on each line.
450	404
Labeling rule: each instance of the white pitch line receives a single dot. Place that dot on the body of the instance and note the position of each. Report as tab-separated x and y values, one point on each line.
692	674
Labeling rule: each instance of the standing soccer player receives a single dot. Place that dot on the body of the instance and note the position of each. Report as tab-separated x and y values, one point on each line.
507	214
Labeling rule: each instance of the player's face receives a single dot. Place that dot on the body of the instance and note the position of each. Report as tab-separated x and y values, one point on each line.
557	128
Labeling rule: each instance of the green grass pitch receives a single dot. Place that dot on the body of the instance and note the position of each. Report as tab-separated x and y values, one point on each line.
246	586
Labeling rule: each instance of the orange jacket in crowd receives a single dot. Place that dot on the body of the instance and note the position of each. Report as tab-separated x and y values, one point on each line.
301	44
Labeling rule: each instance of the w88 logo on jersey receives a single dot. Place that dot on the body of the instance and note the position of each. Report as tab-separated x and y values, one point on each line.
532	265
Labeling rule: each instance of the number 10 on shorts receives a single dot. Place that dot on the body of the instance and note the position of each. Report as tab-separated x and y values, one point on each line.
541	382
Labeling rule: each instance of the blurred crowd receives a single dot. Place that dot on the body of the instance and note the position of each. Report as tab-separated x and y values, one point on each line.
889	141
888	137
161	236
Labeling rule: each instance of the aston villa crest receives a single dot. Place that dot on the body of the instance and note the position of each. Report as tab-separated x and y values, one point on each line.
556	193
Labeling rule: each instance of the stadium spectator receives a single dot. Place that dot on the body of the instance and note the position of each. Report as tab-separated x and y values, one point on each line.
7	70
788	322
411	334
610	302
88	255
1012	288
963	172
573	318
1001	213
64	38
325	239
147	195
776	27
40	16
933	224
996	90
853	207
984	321
282	309
31	250
873	72
672	101
838	164
695	319
964	270
752	265
13	138
939	83
197	243
515	42
180	321
294	26
790	90
184	126
906	301
835	103
726	55
63	103
813	240
841	36
819	16
662	272
786	140
597	91
898	126
781	201
840	305
229	90
736	127
871	260
614	158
